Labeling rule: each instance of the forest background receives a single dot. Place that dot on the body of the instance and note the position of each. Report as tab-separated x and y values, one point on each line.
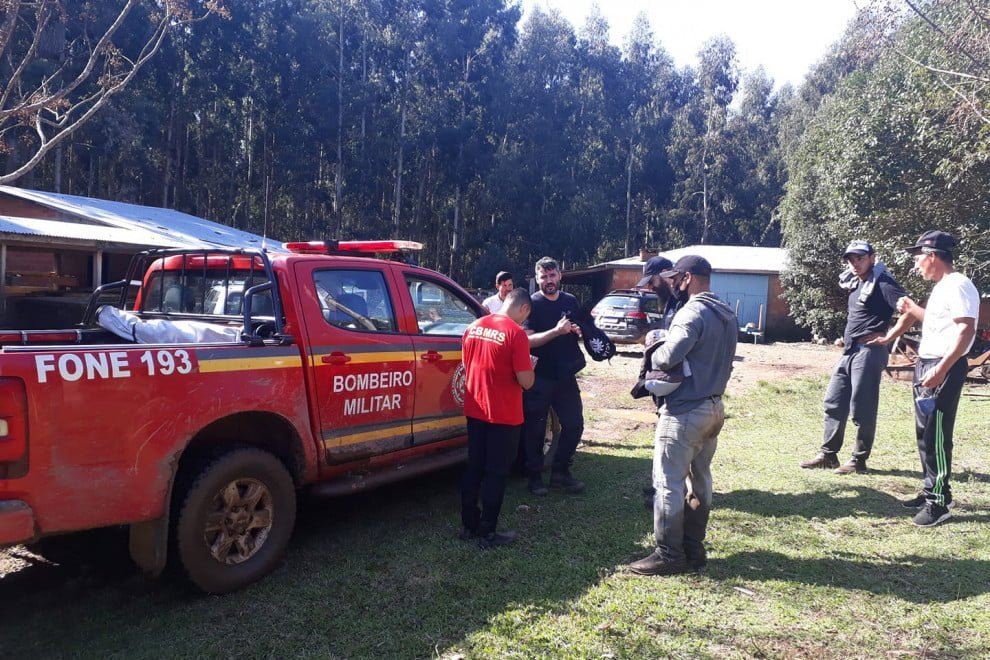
496	141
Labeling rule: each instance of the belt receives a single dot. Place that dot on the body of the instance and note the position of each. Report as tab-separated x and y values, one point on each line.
861	341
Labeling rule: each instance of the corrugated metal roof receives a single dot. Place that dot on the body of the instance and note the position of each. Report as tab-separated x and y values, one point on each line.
76	231
164	227
723	258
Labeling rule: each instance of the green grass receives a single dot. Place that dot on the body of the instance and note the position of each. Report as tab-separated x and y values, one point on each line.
802	564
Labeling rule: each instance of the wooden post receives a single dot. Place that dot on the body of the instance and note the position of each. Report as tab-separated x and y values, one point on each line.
759	324
97	269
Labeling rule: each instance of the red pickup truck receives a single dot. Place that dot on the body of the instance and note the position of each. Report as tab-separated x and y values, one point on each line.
344	373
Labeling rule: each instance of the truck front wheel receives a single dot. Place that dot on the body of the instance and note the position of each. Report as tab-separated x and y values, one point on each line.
235	520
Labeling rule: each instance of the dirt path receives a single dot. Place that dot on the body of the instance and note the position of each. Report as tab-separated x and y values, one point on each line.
605	386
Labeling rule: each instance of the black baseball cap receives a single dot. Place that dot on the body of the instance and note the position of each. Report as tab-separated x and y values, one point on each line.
858	247
933	240
691	263
654	266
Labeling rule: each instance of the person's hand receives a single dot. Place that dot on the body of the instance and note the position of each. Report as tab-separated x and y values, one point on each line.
934	376
563	326
907	306
881	340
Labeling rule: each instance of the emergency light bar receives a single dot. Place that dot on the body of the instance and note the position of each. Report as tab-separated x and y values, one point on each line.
368	247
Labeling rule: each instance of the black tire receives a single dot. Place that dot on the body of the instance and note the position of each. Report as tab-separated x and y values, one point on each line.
248	499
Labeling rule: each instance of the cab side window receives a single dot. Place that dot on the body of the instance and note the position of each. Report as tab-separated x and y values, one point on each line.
439	310
650	305
355	300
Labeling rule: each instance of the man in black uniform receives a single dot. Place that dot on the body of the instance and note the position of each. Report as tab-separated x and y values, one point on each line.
554	341
855	382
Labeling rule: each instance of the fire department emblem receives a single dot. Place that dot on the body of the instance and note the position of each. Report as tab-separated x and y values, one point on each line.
458	383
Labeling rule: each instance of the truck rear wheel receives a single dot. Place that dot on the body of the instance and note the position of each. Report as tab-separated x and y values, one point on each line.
235	520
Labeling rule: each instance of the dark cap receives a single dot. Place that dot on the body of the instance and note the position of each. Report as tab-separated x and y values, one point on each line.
858	247
502	276
654	266
934	240
691	263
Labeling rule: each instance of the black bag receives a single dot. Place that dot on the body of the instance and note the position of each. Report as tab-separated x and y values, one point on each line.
596	343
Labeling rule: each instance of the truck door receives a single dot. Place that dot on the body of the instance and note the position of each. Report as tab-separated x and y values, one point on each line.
442	316
362	367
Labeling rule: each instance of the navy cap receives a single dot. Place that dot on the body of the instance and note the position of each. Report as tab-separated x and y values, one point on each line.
858	247
933	240
691	263
654	266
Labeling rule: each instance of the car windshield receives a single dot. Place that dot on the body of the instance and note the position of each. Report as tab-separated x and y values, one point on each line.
619	302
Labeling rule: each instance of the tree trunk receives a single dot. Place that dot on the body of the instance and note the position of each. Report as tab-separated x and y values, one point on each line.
629	168
338	183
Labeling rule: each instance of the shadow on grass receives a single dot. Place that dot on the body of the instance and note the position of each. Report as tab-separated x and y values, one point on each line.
957	477
839	502
912	578
378	574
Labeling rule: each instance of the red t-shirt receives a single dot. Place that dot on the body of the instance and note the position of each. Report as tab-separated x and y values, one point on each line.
494	349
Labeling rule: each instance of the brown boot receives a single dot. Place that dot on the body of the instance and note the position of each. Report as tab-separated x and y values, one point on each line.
822	461
655	564
852	465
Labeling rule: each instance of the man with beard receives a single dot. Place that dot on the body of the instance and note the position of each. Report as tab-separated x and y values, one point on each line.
666	302
554	341
704	334
855	384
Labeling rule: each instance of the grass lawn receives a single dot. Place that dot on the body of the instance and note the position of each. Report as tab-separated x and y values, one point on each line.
802	564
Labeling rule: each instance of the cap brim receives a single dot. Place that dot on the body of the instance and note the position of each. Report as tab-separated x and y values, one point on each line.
848	252
913	249
670	272
644	281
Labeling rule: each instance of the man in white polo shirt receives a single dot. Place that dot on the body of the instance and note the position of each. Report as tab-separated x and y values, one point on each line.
947	332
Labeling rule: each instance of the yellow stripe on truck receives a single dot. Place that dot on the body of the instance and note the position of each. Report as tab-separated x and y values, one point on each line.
392	431
249	364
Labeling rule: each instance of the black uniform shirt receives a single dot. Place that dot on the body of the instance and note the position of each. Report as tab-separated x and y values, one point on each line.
874	315
561	356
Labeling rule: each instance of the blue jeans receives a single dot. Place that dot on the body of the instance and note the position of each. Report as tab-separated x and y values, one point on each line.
682	457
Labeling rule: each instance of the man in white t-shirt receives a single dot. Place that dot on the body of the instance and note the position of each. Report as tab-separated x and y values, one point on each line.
948	327
503	282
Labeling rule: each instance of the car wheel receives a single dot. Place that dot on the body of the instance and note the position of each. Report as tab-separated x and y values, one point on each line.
235	520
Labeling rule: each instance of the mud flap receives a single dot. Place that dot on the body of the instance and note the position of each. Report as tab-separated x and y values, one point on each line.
149	545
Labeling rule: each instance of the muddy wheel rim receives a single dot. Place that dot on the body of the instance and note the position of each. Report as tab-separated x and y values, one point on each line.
239	521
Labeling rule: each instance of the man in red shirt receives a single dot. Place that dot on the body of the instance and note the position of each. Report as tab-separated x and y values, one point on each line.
498	366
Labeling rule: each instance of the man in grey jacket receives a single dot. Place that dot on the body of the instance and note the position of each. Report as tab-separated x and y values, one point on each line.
703	332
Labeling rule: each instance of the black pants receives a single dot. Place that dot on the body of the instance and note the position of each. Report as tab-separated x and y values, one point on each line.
564	396
854	387
934	431
491	449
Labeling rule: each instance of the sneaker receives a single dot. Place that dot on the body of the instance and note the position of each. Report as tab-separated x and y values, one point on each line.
823	461
850	466
919	500
567	482
496	540
467	534
536	487
931	514
655	564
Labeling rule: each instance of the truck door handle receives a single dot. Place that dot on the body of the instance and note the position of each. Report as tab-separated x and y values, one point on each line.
431	356
335	358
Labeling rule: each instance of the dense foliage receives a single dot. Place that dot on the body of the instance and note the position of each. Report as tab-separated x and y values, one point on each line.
495	140
898	146
491	139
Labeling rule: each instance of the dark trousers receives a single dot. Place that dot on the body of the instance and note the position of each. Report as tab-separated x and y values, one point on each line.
564	396
491	450
934	431
854	388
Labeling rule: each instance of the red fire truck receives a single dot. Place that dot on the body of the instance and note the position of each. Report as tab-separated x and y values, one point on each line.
344	373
